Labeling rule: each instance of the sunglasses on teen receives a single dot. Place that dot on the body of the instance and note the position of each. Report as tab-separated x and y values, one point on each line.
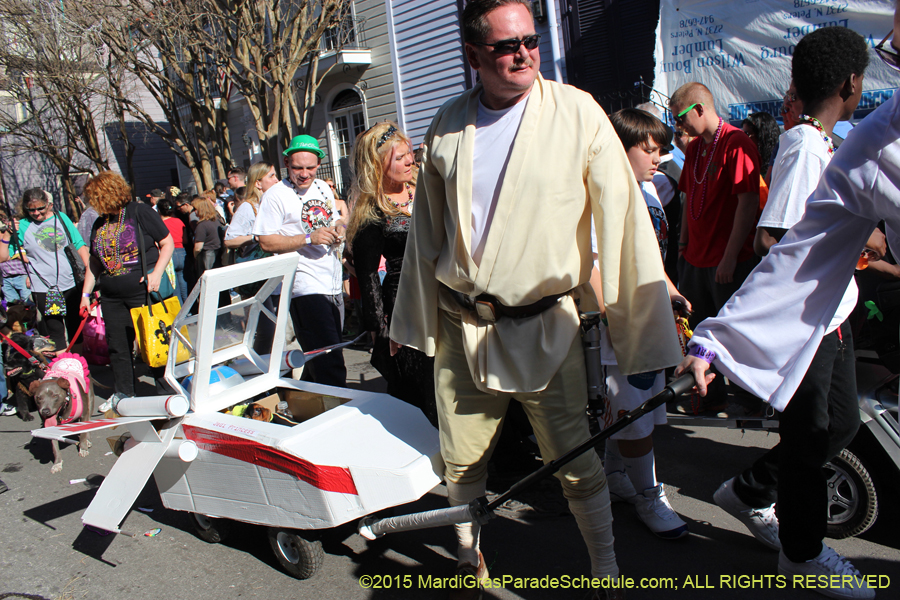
679	118
505	47
37	209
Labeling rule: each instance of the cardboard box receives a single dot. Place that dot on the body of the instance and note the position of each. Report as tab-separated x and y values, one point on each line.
306	405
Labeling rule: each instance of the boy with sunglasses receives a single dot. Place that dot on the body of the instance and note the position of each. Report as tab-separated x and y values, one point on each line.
720	180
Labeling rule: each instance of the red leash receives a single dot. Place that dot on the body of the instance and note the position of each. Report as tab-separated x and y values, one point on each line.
21	350
81	327
31	357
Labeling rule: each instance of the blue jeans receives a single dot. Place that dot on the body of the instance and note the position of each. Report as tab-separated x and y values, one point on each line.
14	288
181	288
3	390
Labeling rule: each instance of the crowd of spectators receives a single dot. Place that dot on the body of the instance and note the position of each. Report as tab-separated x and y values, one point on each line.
736	195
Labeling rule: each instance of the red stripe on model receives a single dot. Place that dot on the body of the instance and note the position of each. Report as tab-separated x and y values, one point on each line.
78	427
329	479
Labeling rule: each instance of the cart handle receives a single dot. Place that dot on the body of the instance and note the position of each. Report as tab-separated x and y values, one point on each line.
481	511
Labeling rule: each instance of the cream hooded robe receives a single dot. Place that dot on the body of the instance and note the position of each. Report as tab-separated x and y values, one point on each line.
566	164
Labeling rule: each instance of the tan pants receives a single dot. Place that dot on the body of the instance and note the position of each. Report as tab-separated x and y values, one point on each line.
470	420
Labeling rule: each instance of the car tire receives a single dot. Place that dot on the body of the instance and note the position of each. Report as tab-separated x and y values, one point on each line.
852	499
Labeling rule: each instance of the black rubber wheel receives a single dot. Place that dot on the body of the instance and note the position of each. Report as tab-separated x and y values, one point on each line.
211	530
852	500
300	557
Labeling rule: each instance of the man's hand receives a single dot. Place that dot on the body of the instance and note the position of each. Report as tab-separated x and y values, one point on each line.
725	270
326	236
876	246
698	368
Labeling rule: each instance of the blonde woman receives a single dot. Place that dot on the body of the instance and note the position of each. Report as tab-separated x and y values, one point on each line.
382	199
239	237
261	177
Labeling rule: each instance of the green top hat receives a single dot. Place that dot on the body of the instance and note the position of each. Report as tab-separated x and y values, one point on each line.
304	143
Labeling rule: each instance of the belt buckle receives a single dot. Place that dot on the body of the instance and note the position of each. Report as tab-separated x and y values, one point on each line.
485	310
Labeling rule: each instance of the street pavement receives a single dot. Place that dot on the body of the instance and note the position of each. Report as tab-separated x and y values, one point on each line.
45	553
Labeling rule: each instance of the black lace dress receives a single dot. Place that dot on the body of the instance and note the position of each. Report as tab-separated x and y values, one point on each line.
409	374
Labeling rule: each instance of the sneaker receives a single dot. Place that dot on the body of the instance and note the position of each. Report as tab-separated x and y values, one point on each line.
110	402
829	564
6	410
761	522
620	487
654	510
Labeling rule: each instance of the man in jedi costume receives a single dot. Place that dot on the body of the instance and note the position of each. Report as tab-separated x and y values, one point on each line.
500	251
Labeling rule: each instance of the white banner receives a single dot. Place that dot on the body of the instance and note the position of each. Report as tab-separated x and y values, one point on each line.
741	49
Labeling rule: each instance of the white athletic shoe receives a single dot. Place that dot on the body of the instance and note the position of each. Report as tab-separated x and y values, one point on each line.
110	403
761	522
620	487
654	510
832	567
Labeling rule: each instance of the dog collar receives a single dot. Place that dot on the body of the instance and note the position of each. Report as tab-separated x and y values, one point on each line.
73	401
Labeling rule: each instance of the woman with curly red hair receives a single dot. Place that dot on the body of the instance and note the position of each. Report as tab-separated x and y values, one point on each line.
116	270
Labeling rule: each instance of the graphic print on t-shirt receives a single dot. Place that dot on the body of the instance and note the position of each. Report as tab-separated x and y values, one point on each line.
51	238
316	214
127	243
661	227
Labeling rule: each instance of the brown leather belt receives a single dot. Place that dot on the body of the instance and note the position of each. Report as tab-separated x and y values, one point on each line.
490	309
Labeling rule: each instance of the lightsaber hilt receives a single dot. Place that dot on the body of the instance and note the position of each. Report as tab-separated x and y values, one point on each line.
590	339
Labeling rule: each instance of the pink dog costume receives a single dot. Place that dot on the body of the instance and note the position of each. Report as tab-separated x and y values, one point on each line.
74	369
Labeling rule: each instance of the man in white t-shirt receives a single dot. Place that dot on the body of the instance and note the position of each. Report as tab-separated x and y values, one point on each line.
298	214
822	415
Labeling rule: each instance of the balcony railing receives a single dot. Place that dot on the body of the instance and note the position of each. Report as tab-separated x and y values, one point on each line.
349	34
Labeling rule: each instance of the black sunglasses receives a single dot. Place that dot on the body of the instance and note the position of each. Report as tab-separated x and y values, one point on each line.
37	209
888	55
512	46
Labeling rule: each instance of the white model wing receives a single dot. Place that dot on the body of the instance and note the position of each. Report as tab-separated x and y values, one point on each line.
69	429
130	473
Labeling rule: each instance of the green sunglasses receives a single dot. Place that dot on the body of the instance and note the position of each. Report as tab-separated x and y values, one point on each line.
680	115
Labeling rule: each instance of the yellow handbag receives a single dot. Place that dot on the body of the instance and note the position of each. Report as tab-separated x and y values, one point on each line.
153	321
153	331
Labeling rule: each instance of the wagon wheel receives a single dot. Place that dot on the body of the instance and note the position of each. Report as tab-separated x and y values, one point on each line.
299	556
852	500
209	529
